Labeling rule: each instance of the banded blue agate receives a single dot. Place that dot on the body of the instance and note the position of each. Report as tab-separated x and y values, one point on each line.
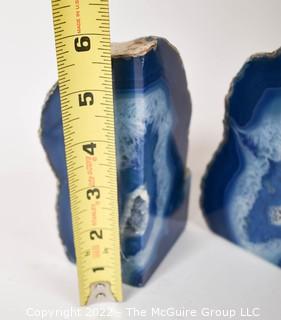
152	114
241	191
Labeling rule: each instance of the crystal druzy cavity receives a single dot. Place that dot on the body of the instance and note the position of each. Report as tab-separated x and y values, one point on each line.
241	191
152	114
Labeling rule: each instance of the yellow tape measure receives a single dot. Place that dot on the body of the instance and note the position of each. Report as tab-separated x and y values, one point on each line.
84	65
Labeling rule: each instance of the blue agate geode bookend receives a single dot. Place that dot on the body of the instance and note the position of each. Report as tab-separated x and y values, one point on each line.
152	115
241	190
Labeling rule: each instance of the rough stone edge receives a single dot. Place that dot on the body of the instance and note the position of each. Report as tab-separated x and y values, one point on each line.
254	57
135	48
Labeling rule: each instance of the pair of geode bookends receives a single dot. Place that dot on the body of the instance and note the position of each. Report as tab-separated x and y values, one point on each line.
240	191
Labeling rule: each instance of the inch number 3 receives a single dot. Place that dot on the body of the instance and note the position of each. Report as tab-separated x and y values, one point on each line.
93	193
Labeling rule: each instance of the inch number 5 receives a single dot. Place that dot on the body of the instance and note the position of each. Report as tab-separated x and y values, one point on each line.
86	99
82	44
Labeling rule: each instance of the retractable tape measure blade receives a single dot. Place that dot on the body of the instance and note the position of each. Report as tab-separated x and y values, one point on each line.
82	34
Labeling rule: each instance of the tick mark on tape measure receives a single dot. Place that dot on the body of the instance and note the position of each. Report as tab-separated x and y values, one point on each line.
68	66
87	141
64	81
59	8
97	4
97	62
79	91
75	169
80	34
72	120
60	46
98	269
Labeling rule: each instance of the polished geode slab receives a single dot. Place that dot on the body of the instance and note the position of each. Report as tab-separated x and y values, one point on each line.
152	115
241	191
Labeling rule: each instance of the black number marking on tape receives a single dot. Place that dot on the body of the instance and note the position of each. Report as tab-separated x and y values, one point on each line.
93	192
82	44
96	234
86	99
90	148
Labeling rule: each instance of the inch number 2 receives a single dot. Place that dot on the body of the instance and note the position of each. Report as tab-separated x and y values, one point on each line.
96	235
82	44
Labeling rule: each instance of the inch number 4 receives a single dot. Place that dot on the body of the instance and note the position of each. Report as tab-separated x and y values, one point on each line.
90	148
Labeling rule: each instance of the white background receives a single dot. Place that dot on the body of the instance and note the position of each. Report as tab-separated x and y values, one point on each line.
214	37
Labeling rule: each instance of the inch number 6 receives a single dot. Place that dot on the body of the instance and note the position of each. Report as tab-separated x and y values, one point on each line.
82	44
